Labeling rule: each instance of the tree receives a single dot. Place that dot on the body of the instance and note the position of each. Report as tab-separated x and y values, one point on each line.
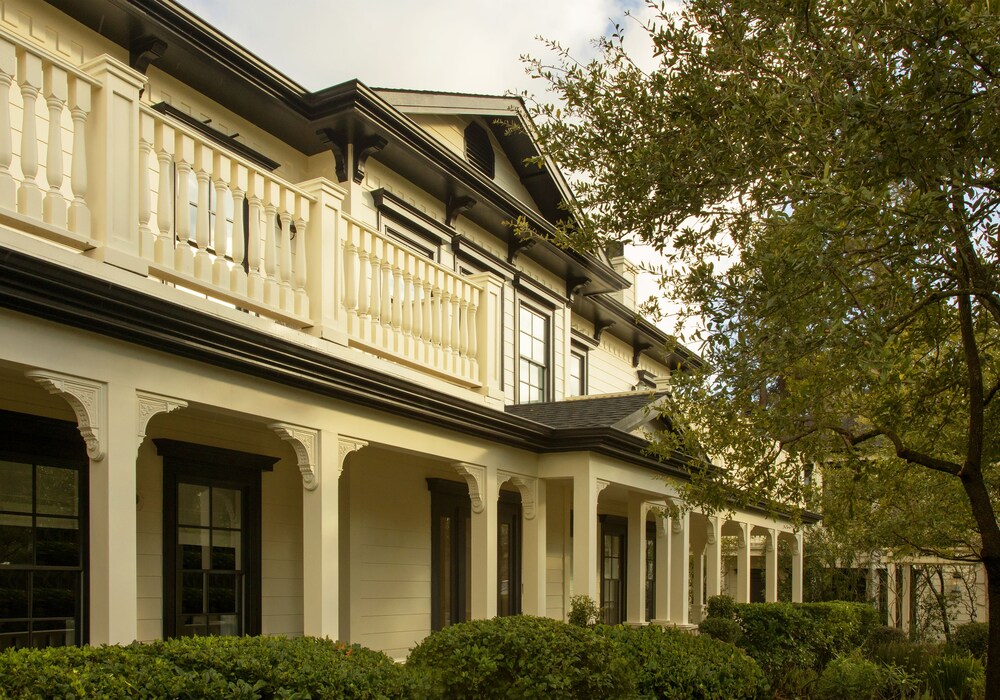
821	176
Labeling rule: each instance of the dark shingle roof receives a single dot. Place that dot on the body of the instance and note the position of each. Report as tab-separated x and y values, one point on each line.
605	411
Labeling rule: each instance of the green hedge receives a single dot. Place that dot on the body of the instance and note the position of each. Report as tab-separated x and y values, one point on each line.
519	657
675	665
204	667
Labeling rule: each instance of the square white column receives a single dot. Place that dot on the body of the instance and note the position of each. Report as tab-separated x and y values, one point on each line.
586	489
797	557
771	566
484	541
743	564
663	568
534	555
713	557
636	559
680	567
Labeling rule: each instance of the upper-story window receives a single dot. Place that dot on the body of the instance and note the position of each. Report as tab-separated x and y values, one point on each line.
577	384
479	150
533	351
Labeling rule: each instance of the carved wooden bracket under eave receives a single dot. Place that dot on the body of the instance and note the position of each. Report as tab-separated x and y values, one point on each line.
145	51
363	149
88	399
518	246
710	532
456	206
148	405
527	486
599	328
574	286
305	442
475	477
337	143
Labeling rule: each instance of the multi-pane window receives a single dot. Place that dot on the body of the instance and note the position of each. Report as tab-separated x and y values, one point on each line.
577	385
41	555
533	349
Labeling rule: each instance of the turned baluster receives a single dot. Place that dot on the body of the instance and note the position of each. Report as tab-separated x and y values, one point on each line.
397	289
299	264
8	71
29	196
222	231
79	110
56	88
163	142
238	275
203	214
455	331
147	240
255	190
285	206
408	300
271	286
183	159
474	333
363	269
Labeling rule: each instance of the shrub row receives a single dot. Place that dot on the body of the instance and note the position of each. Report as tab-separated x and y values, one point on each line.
510	657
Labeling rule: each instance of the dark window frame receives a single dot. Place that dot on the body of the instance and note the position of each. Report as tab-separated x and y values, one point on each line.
615	526
40	441
548	317
185	462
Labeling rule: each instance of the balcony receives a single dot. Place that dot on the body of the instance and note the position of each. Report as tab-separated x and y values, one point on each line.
86	165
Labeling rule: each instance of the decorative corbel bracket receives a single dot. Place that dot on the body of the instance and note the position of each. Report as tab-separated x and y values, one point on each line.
305	442
89	401
743	535
363	149
456	206
600	326
148	405
637	350
710	532
145	51
527	485
337	143
475	477
518	246
575	285
347	445
771	541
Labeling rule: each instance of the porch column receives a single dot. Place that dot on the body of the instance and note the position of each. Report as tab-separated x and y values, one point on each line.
106	417
743	564
797	558
533	551
771	566
906	593
713	557
680	567
663	568
484	492
586	489
636	574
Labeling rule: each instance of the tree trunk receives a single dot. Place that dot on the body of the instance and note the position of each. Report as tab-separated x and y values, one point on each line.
993	612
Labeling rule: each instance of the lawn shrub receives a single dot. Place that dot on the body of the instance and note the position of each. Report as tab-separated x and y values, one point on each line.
884	634
583	611
675	665
520	657
972	638
853	676
204	667
721	628
721	606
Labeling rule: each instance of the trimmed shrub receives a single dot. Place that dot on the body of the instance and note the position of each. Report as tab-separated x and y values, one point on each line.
675	665
721	628
721	606
583	611
855	677
520	657
972	638
204	667
883	634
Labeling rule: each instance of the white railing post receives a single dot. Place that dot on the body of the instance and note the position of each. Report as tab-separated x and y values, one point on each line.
271	287
285	208
79	111
147	241
329	261
300	272
56	88
237	275
222	231
113	135
487	348
202	233
255	283
29	77
183	159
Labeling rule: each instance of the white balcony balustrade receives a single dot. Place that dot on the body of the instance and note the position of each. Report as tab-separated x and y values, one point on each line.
170	203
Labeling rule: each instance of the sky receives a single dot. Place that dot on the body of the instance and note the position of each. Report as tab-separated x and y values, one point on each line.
441	45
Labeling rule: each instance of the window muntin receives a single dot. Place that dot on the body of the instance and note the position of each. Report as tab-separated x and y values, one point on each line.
533	350
41	554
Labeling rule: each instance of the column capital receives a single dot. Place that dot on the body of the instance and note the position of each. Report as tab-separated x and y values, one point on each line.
305	443
148	405
475	477
88	399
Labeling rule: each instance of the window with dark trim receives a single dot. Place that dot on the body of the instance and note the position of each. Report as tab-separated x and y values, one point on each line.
211	539
43	532
479	150
533	347
650	571
577	381
451	553
614	542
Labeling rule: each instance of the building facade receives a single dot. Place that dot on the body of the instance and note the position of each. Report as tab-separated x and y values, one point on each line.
272	360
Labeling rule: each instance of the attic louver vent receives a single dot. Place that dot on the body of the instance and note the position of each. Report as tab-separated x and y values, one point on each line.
479	150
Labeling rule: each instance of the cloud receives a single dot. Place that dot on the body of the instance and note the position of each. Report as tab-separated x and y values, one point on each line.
442	45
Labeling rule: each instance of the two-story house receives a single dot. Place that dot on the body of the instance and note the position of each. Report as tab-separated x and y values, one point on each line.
272	361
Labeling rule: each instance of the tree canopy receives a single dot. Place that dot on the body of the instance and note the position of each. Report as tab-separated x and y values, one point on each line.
821	177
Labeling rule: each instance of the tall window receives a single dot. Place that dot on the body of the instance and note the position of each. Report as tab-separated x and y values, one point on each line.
43	470
533	349
614	533
577	385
